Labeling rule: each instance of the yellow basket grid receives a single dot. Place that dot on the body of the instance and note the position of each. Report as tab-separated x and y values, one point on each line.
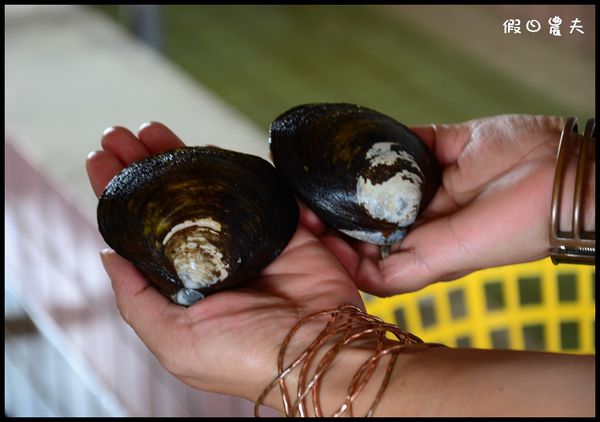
532	306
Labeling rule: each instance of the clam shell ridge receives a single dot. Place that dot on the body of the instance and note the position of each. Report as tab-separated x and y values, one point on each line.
360	171
197	220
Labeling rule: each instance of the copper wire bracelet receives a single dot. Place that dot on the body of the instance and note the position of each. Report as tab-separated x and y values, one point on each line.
347	323
573	246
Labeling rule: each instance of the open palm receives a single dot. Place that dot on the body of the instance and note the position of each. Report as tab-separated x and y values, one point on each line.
228	341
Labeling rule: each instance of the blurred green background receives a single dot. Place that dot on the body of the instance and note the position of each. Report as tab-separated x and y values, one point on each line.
419	64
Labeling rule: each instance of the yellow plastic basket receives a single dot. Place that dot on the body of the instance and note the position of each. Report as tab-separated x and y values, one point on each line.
533	306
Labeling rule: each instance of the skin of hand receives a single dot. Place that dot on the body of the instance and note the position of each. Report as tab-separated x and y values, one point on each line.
492	209
228	342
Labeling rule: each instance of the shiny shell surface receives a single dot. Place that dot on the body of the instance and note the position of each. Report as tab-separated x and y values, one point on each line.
361	171
197	220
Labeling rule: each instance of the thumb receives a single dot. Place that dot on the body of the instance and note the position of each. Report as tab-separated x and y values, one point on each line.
431	252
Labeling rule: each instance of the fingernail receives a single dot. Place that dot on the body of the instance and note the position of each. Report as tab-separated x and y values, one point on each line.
144	126
91	154
104	254
109	130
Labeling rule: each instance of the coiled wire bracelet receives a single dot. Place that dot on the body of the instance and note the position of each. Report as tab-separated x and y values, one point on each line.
347	324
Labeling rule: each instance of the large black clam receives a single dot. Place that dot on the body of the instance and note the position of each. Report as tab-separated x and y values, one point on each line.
361	171
198	220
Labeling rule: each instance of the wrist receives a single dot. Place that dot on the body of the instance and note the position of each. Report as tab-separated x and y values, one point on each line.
334	383
344	370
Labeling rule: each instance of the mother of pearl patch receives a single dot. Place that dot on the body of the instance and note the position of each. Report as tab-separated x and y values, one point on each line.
397	199
198	262
381	153
201	222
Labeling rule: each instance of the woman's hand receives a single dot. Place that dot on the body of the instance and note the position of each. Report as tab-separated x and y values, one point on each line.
492	209
227	342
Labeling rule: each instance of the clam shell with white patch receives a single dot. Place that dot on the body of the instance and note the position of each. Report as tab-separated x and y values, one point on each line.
361	171
198	220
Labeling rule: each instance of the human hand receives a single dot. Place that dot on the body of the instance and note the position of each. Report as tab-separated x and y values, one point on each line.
492	209
227	342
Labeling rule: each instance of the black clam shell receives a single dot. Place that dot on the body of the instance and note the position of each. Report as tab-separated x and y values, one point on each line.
322	150
255	207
